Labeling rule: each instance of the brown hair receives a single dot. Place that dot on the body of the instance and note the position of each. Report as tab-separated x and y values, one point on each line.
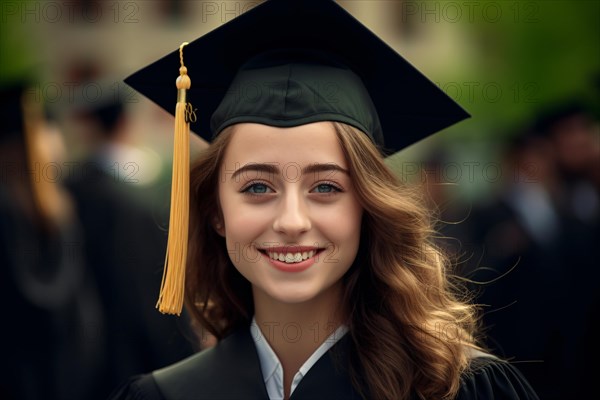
408	326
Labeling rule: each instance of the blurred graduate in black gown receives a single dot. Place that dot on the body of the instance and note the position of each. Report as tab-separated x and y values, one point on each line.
50	300
124	246
573	132
73	262
533	247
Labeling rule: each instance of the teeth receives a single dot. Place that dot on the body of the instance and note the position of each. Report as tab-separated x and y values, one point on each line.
291	257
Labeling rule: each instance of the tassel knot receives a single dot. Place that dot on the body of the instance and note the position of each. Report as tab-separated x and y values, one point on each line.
183	81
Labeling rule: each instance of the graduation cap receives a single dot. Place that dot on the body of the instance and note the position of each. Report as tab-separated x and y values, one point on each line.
286	63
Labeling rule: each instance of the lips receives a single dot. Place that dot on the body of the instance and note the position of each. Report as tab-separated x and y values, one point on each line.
290	255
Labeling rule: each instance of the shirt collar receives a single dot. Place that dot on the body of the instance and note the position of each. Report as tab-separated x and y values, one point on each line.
270	365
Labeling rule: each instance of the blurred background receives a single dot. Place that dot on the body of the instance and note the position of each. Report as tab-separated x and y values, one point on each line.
85	179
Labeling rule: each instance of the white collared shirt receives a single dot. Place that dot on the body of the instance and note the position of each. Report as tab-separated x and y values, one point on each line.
270	365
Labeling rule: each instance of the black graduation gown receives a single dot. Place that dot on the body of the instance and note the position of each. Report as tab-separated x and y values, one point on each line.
231	370
124	248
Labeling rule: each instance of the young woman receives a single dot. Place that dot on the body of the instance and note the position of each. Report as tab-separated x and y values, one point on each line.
309	261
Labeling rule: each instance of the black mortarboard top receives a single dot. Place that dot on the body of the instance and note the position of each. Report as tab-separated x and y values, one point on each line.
285	63
280	32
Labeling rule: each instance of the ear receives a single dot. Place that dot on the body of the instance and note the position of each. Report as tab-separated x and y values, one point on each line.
219	226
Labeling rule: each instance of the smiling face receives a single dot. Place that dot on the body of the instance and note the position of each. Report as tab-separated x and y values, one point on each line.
291	218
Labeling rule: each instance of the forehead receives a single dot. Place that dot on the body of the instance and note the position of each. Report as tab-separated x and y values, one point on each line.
304	144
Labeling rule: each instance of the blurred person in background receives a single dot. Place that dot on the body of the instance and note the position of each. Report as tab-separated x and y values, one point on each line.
517	241
573	133
124	244
51	300
530	253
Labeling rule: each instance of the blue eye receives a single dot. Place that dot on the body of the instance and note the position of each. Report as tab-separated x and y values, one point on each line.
256	188
326	188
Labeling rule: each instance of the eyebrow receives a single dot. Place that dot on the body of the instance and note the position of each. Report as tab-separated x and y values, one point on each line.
273	168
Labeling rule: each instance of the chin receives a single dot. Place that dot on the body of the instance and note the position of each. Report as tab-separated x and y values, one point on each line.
292	295
298	292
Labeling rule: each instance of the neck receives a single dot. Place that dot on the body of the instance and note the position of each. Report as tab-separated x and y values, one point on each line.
295	331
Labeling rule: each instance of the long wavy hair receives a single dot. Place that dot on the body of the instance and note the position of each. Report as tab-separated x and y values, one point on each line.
409	323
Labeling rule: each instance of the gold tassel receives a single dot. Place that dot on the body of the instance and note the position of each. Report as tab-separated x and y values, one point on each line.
170	300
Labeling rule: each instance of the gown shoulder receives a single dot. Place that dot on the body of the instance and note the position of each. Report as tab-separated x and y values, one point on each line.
229	370
490	378
140	387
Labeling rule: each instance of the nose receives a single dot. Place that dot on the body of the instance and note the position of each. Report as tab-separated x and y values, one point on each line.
292	218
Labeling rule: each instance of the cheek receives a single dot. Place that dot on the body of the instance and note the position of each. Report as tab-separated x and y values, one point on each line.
240	220
244	224
242	228
351	225
341	226
344	219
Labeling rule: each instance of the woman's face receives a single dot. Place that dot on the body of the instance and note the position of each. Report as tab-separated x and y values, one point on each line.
291	218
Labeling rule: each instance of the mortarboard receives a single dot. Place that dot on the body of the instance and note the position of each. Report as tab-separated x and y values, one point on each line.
286	63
